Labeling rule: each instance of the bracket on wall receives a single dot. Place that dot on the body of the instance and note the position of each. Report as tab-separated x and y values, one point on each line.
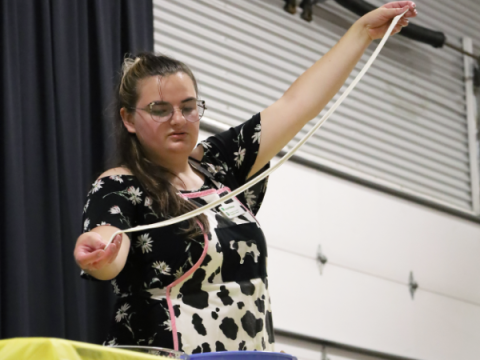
290	6
324	353
321	259
306	5
412	284
476	75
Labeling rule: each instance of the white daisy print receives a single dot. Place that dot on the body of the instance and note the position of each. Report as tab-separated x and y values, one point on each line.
239	156
148	201
134	195
168	325
86	206
103	223
85	224
116	289
225	166
122	312
257	135
117	178
145	242
179	273
214	169
162	267
250	197
115	210
155	280
113	342
206	145
211	169
97	185
219	169
152	339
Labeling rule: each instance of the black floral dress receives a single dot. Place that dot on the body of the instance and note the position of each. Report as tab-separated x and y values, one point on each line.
202	294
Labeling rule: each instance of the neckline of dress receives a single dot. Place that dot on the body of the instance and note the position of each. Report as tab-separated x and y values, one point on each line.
197	165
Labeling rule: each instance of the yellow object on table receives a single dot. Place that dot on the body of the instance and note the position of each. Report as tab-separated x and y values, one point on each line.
60	349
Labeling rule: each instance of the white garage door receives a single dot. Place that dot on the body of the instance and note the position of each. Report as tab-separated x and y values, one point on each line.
405	127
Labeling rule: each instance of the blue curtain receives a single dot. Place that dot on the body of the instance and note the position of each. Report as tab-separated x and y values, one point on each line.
59	64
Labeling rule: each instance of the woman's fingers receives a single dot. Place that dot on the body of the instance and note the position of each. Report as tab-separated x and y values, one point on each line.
89	252
397	4
403	22
86	259
112	253
108	255
378	21
411	13
400	25
401	6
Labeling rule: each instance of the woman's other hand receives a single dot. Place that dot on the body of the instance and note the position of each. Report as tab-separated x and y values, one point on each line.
90	254
377	21
92	257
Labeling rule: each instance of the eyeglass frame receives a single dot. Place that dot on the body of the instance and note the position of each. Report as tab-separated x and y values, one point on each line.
148	109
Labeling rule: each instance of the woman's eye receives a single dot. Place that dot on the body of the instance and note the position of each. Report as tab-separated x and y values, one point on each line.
187	110
160	112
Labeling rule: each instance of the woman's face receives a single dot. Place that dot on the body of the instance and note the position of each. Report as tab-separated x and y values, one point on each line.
173	140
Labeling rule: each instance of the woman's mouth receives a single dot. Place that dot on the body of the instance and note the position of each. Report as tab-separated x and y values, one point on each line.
178	135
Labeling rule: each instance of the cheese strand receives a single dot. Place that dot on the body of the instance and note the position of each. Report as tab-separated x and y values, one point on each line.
287	156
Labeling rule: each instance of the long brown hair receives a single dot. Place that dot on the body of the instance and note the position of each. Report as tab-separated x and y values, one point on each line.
154	178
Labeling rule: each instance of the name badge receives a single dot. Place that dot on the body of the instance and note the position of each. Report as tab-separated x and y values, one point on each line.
232	209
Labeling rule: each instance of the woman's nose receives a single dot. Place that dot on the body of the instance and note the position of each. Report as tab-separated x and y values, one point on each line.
177	117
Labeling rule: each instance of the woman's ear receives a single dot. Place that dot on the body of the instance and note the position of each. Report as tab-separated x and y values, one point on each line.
127	120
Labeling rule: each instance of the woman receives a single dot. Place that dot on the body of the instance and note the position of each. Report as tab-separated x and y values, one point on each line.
200	285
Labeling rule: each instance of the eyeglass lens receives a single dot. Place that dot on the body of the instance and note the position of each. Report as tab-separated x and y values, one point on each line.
191	110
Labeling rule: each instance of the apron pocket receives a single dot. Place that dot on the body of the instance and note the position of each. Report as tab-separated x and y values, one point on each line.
244	250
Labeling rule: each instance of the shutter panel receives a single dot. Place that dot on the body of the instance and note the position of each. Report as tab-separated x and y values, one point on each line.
405	126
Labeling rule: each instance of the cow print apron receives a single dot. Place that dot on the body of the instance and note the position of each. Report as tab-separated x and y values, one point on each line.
222	302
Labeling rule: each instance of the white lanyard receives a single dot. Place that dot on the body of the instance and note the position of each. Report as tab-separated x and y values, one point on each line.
282	160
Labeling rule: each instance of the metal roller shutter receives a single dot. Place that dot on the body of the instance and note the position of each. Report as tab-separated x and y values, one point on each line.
405	126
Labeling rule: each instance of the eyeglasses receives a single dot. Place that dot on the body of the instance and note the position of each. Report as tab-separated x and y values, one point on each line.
161	112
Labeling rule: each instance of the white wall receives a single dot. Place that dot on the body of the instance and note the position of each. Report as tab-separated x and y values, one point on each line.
405	123
308	350
372	241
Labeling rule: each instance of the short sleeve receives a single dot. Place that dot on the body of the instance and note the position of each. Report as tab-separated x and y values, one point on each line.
230	156
112	201
237	147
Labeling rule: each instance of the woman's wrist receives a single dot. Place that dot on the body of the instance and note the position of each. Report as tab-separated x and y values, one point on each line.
362	30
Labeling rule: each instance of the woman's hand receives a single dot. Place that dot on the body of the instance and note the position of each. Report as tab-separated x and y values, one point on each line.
90	254
377	21
312	91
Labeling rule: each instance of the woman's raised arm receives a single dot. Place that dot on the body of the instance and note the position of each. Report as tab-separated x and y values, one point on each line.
312	91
